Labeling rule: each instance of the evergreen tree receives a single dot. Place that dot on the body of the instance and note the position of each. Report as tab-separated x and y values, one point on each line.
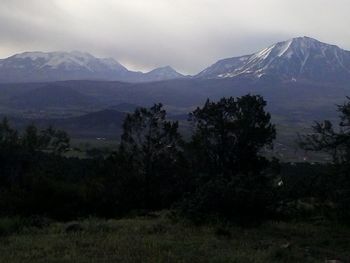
235	179
336	142
151	149
8	137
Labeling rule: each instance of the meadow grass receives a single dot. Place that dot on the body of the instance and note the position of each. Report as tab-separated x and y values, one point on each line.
160	239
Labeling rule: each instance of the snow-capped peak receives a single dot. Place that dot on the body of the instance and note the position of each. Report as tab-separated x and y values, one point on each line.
32	55
74	60
294	59
75	65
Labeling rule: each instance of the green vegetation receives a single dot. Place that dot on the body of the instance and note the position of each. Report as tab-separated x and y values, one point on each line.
236	181
336	142
158	239
229	201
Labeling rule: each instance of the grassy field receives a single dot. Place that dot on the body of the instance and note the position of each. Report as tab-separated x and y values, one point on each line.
158	239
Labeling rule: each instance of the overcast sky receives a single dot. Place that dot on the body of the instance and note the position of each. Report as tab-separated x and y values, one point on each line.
186	34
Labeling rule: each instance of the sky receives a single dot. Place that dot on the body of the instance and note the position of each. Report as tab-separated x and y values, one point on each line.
188	35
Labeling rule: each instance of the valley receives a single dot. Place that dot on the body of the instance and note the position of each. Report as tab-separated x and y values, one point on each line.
301	79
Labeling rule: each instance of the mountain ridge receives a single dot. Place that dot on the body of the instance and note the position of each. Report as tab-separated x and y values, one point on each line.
40	66
296	59
301	58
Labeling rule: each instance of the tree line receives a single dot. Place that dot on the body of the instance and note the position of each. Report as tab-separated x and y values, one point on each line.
221	172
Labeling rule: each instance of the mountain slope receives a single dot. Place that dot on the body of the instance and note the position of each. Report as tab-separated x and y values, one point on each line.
297	59
104	123
163	73
300	58
58	66
52	96
40	66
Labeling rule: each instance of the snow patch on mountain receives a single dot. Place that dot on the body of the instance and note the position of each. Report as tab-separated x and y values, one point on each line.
285	48
66	60
75	65
297	58
32	55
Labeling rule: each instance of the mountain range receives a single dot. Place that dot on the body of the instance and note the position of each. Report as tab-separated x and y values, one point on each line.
297	59
59	66
301	79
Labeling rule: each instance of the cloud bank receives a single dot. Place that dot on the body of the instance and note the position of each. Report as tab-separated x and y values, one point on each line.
186	34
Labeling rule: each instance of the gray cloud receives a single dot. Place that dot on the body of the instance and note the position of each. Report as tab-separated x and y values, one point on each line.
186	34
